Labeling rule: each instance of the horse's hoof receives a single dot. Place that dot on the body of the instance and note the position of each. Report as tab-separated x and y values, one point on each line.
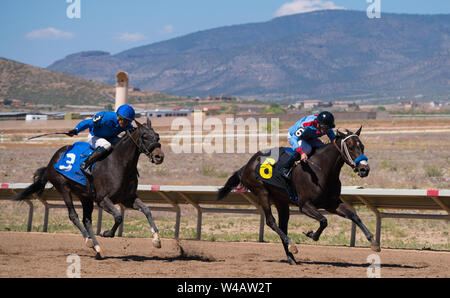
291	261
108	234
89	243
100	255
156	243
293	249
375	247
309	234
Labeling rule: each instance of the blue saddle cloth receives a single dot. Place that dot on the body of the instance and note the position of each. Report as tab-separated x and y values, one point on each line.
69	164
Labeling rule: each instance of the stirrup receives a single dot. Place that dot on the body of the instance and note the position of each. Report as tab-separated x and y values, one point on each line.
286	174
87	171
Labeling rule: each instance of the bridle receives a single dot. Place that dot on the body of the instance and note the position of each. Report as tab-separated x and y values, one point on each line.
346	154
141	146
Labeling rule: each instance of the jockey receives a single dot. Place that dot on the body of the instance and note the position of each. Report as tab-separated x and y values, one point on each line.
304	136
103	130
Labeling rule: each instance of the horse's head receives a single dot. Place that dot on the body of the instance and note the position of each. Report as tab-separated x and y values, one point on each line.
352	151
148	142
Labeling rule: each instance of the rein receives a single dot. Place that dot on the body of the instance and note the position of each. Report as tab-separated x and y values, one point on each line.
346	154
141	147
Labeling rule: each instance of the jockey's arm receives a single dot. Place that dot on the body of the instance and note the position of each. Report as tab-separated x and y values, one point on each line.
83	125
331	135
293	140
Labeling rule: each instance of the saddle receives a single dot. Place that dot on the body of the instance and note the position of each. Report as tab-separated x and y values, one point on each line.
269	170
69	163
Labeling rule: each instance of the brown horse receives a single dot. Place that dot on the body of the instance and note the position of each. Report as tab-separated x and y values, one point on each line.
115	181
318	187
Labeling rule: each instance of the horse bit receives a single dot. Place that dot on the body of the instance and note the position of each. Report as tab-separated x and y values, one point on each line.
141	147
346	155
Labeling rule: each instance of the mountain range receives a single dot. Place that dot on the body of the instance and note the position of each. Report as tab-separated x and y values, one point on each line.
330	55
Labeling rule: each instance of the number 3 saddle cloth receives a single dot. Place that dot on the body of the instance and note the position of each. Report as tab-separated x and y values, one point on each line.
69	163
269	170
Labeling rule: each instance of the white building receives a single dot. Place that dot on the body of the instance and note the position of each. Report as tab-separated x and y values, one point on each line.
35	117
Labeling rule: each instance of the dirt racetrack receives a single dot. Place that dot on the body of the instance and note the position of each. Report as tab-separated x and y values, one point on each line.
45	255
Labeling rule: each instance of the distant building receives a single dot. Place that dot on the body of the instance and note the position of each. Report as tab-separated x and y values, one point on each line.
30	117
133	89
177	112
438	104
210	110
408	105
224	97
310	104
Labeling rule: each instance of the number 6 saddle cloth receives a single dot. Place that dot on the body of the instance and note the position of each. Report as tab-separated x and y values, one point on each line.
69	163
269	170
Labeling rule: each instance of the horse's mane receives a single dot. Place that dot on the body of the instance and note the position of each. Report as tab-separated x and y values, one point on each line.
323	148
125	136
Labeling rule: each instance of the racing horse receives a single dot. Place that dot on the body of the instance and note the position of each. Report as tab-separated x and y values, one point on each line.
318	187
114	179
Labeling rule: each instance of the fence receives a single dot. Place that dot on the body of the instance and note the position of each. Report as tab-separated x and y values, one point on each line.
202	198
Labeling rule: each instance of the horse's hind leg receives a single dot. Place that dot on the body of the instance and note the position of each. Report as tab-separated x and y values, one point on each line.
108	206
283	219
311	211
344	211
88	207
139	205
270	221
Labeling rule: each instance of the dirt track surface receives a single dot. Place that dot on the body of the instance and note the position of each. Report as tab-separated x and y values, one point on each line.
45	255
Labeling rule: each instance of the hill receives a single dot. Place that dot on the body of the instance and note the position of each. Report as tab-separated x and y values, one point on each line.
335	54
42	86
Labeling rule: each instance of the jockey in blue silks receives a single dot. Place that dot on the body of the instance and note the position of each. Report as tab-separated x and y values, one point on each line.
103	130
304	136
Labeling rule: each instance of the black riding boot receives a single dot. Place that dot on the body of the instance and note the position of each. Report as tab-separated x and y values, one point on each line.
99	153
288	165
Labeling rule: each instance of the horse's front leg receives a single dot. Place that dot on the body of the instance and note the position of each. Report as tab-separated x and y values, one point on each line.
88	207
311	211
139	205
108	206
344	211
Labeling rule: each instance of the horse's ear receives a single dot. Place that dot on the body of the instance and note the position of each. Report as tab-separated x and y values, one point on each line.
339	133
149	123
137	122
359	131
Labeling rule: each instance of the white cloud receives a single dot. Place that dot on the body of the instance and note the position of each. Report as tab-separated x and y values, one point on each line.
166	30
131	37
302	6
49	34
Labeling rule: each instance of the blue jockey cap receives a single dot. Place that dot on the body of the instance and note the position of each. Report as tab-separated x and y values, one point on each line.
127	112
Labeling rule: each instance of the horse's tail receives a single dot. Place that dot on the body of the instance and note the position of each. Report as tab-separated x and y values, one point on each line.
40	180
232	182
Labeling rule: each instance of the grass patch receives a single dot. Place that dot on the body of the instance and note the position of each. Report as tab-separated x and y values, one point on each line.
433	171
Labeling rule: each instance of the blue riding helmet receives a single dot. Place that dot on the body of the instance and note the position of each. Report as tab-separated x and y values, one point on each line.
127	112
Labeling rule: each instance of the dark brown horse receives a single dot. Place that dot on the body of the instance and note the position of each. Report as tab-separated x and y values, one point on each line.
318	187
115	180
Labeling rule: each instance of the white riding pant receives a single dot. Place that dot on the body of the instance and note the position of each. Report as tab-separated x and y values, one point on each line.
96	142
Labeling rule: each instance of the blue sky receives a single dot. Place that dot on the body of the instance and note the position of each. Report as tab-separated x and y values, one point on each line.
39	32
